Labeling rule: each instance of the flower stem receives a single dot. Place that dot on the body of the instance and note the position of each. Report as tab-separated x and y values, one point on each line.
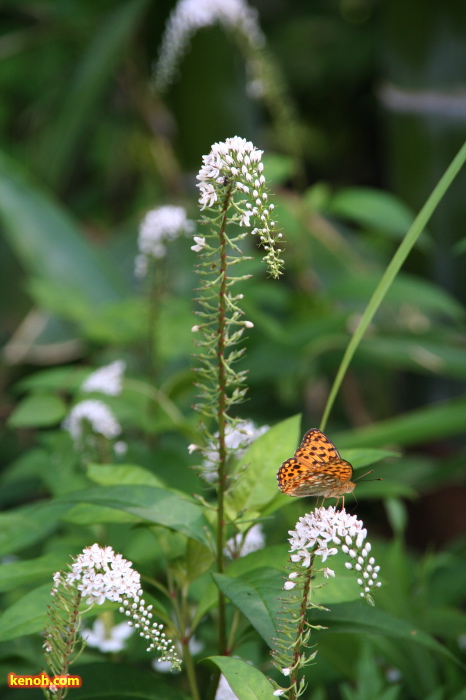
221	411
301	629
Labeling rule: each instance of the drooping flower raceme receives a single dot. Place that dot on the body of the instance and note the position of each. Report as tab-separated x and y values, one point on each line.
325	531
235	166
157	228
106	380
98	574
191	15
97	414
318	536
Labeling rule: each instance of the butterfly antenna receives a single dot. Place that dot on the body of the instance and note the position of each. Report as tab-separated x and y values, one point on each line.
369	472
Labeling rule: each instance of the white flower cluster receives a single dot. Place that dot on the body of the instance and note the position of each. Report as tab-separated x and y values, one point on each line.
97	414
191	15
106	380
322	533
100	574
237	440
159	226
238	162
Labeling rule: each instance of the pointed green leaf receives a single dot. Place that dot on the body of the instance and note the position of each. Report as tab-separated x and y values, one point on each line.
246	682
257	598
363	619
151	504
19	573
48	242
256	486
38	411
434	422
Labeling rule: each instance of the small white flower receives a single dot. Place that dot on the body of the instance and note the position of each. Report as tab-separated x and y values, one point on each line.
329	573
97	414
286	671
107	640
120	448
106	380
192	448
279	692
200	244
248	324
289	585
244	545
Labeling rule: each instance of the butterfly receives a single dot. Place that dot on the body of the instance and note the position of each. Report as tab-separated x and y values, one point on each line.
316	469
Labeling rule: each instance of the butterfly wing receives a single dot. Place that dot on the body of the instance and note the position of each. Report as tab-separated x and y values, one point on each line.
316	449
329	480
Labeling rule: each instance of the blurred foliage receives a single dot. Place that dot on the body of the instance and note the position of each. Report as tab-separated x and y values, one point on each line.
87	147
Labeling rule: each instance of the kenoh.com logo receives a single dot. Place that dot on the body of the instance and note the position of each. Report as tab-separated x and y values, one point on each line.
42	680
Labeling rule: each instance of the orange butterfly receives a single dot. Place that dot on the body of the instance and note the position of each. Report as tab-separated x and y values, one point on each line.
316	469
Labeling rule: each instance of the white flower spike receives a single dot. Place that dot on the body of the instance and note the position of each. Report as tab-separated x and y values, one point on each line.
235	164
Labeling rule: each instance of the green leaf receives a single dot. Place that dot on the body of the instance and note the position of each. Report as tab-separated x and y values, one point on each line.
255	488
275	556
67	379
420	355
19	573
48	242
257	598
415	291
246	681
38	411
119	474
27	525
363	457
153	505
27	615
115	681
443	419
360	618
372	209
259	594
199	559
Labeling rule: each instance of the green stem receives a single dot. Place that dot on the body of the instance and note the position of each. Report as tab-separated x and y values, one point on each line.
221	415
190	671
392	270
222	451
301	626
